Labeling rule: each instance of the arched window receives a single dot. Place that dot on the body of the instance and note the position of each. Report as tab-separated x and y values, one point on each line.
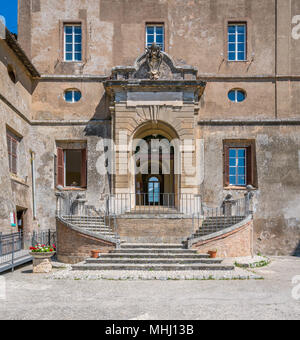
154	190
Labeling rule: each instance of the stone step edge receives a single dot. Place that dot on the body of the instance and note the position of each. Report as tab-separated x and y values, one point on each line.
153	267
152	261
176	255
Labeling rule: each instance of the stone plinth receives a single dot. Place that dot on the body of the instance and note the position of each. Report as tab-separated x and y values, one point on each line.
42	262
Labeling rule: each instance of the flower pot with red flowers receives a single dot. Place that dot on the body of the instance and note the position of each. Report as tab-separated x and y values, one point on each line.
95	254
212	254
42	258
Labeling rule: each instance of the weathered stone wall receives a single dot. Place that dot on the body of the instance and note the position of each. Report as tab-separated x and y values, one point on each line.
73	247
277	199
236	243
154	229
15	112
114	34
44	142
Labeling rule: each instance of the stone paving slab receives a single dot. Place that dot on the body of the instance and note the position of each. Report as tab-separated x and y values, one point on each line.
237	274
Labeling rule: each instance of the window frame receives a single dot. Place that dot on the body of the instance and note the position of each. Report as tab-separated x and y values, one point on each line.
236	95
236	43
12	139
73	96
74	43
61	168
250	163
155	25
237	158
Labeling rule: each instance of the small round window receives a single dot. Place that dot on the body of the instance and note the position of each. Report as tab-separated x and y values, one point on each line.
72	96
237	96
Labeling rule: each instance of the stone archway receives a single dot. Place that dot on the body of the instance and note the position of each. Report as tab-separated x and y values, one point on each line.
143	105
161	163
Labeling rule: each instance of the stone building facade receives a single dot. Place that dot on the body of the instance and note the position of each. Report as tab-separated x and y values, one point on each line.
227	76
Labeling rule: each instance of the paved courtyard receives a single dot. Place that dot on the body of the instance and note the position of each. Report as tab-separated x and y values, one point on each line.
31	296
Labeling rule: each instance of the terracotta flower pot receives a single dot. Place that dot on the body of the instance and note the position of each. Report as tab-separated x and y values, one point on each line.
95	254
213	254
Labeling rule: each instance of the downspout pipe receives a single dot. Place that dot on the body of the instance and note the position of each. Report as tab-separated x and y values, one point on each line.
33	184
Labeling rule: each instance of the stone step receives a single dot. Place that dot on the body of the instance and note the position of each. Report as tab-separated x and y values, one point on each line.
155	251
99	229
87	218
90	225
220	222
87	223
151	245
222	219
104	234
153	267
153	256
153	261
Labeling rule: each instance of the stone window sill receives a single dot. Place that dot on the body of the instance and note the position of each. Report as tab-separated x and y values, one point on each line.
235	188
17	179
73	189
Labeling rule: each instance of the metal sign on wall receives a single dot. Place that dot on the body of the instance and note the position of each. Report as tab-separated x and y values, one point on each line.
13	220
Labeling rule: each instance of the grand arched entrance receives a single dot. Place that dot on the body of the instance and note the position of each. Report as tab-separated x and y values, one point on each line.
155	181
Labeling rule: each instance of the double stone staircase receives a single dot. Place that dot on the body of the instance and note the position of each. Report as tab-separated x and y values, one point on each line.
153	257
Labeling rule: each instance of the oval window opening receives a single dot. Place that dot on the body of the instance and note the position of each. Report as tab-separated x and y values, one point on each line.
72	96
237	96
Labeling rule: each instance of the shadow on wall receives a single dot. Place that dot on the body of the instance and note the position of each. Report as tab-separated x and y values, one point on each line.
297	250
99	125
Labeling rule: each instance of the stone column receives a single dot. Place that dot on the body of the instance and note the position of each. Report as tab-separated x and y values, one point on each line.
60	206
80	202
228	204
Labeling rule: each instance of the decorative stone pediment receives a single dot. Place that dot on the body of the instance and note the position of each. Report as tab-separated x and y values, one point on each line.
154	64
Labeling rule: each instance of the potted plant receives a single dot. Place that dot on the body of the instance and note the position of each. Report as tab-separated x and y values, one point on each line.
42	254
213	253
95	254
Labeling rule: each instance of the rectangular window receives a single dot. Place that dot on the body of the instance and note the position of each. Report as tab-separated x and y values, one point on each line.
155	34
237	167
71	168
239	163
237	42
73	43
12	147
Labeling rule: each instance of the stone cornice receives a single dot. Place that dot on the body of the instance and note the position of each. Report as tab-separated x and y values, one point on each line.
274	122
14	45
73	78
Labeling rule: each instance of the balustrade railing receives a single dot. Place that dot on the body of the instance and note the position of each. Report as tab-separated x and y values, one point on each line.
144	203
230	213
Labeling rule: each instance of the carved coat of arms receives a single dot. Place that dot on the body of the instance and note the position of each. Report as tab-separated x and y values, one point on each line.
154	60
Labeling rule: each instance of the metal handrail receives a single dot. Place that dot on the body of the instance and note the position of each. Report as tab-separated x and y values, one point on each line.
160	203
212	220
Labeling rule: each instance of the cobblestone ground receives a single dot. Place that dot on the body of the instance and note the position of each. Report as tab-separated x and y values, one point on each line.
30	296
